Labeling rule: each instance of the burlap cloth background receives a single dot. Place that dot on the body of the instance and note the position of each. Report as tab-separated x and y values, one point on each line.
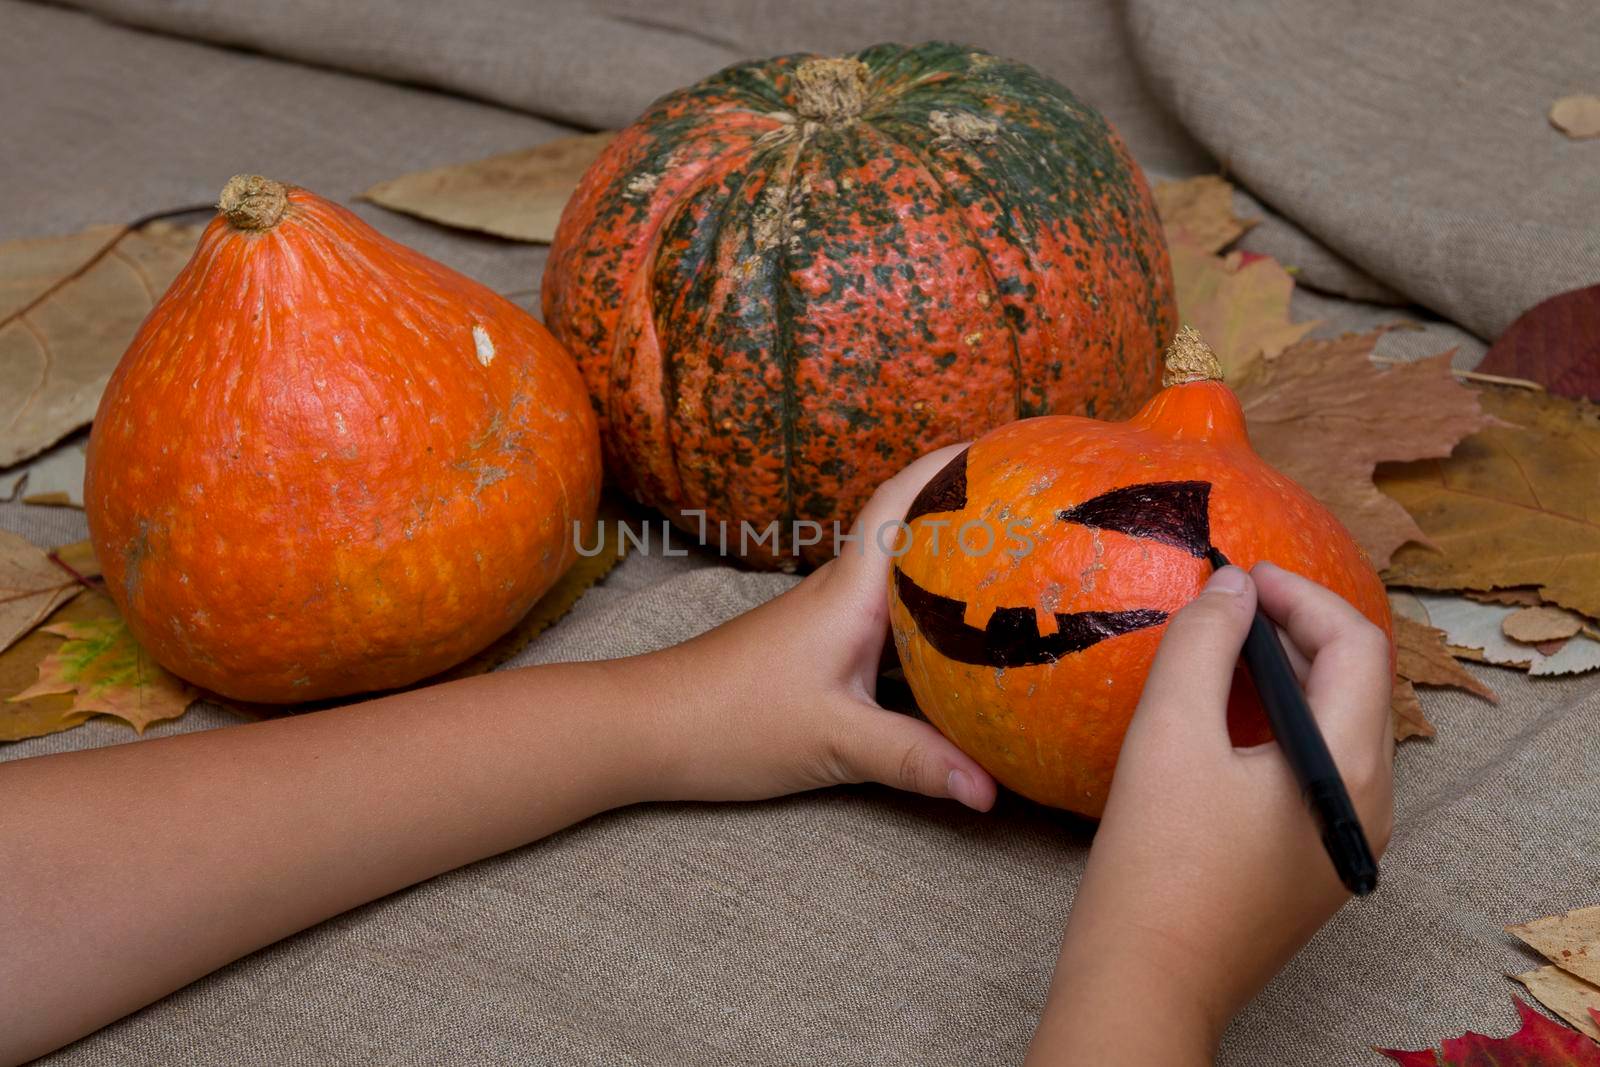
1401	156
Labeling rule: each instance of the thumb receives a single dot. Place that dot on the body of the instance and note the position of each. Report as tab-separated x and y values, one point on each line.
875	745
1186	692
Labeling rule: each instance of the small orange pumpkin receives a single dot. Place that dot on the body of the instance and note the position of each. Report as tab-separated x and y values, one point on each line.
1043	563
328	464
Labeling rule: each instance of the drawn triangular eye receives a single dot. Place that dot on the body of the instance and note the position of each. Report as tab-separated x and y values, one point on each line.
945	491
1174	513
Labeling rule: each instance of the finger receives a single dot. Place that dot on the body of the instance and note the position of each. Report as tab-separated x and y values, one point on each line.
1348	687
1186	693
1297	659
874	745
878	525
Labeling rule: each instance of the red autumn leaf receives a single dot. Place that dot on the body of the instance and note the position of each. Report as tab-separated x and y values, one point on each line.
1555	343
1540	1043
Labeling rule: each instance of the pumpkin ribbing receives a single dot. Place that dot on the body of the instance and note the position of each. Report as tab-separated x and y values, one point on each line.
785	282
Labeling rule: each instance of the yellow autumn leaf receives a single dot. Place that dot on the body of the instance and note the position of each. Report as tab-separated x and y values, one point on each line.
107	672
1239	305
1516	504
1200	211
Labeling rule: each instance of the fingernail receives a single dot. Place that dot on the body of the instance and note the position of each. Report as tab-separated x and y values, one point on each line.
960	786
1230	580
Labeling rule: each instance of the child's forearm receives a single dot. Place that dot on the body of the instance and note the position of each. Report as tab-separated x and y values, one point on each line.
1117	1001
127	872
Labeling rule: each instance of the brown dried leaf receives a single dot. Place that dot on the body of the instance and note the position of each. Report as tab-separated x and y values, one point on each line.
31	587
1570	940
1200	211
1326	415
68	308
1405	711
1516	504
1577	116
1424	659
1569	997
1520	596
1535	626
518	195
1240	306
1473	625
19	668
77	559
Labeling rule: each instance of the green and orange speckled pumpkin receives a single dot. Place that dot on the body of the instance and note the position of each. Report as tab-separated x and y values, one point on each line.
1027	629
784	283
328	464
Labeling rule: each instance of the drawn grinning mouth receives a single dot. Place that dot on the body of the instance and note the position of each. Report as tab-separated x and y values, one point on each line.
1172	513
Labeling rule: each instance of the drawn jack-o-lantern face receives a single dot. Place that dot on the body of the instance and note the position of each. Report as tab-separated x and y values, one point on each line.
1043	563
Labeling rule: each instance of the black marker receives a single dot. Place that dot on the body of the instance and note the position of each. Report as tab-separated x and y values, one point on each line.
1307	752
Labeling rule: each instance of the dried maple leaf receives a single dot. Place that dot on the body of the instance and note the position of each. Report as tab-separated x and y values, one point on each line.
1572	998
1577	116
31	587
1537	625
1424	659
1518	503
1555	343
519	195
1570	940
1239	305
1522	597
1405	712
1539	1043
19	668
68	308
1200	211
108	672
1326	415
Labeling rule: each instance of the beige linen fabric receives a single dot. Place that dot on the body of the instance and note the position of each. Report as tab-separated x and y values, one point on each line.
855	926
1409	138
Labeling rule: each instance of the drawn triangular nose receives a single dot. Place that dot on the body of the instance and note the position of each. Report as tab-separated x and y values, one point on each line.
1174	513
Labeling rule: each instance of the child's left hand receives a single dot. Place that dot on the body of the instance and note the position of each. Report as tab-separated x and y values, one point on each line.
781	699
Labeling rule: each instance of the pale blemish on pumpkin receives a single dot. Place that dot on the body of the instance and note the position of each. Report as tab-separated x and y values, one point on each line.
133	557
483	344
643	184
1086	577
338	421
963	126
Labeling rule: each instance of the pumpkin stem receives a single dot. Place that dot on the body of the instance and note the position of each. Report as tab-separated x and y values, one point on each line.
1190	359
830	90
251	202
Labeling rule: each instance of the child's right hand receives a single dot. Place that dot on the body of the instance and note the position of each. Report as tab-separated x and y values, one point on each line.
1208	873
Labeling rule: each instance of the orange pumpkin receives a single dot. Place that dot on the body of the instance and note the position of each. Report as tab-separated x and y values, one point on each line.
328	464
1042	564
787	281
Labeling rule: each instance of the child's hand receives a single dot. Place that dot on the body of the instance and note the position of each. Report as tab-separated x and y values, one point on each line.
1208	872
781	699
